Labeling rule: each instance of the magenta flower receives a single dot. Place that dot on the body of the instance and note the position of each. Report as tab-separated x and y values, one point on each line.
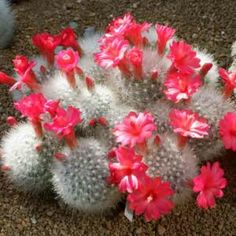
119	25
209	184
183	57
188	124
164	34
227	127
152	198
32	107
229	79
46	43
112	52
51	107
135	129
127	171
181	86
63	124
66	61
135	57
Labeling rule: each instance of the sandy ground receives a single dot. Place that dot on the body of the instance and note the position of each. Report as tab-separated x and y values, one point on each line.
211	24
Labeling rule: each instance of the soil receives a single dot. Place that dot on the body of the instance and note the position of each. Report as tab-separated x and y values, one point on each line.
210	24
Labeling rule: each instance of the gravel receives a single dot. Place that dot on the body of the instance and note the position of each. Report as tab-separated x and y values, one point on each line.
209	24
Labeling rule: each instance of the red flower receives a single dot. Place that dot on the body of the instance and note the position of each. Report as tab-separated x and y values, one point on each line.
181	86
24	68
6	79
164	34
229	79
227	128
69	39
51	107
133	33
135	129
151	198
188	124
112	52
209	184
63	124
135	57
32	107
183	57
128	170
46	43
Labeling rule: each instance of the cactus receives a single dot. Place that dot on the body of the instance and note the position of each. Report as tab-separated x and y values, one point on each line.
7	24
174	165
28	158
138	108
80	178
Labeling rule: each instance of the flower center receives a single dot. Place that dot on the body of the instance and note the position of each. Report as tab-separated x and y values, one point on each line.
149	198
66	57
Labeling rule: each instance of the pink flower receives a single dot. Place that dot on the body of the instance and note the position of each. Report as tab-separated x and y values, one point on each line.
24	68
229	79
188	124
209	184
181	86
67	60
51	107
112	52
151	198
127	171
6	79
135	129
69	39
133	33
183	57
135	57
119	25
164	34
63	124
227	127
46	43
32	107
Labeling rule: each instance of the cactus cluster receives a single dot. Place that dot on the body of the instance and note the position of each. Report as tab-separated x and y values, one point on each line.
131	112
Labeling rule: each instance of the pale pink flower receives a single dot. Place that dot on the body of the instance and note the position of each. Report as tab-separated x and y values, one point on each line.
152	198
229	79
63	124
128	169
188	124
181	86
227	127
183	57
135	129
164	34
112	52
209	184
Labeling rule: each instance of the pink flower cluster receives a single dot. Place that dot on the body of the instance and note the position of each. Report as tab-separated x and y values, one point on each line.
63	122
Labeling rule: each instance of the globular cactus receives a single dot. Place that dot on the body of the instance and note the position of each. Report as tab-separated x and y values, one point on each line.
80	178
7	24
28	159
57	88
178	166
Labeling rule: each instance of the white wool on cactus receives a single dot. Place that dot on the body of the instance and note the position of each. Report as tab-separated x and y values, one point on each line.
7	24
